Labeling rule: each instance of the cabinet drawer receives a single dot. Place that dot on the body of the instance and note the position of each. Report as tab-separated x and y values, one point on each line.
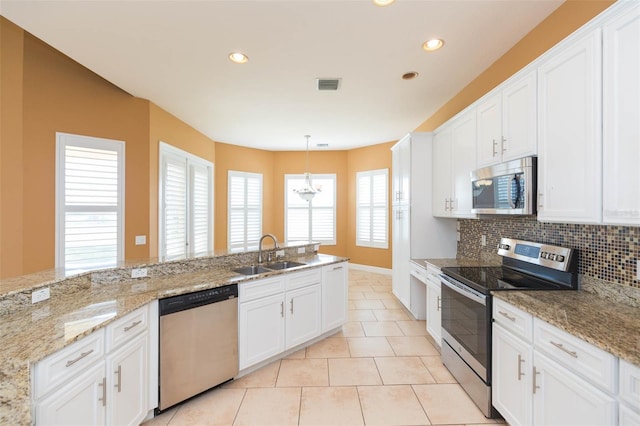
630	384
127	327
592	363
418	271
68	362
433	272
303	279
260	288
513	319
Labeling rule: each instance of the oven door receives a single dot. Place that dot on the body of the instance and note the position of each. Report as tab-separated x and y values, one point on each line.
466	327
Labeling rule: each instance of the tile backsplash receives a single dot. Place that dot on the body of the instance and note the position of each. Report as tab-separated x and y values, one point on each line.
608	253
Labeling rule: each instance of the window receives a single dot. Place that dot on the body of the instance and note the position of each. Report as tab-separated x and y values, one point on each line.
186	204
89	202
245	210
372	204
315	220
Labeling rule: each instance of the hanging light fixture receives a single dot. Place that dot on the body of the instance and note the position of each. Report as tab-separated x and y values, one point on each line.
307	192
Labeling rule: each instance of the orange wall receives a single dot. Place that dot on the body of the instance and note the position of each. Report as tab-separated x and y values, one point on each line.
319	162
570	16
359	160
164	127
241	159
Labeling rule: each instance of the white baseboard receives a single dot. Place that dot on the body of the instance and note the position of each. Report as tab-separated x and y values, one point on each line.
375	269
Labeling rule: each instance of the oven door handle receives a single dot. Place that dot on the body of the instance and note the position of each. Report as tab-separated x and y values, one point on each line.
463	290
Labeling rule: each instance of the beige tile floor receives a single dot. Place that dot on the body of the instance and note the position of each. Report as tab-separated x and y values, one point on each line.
381	369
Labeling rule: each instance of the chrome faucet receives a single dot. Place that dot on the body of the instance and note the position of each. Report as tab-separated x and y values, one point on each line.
275	241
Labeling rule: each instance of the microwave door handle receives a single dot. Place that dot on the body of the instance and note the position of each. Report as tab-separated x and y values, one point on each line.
509	197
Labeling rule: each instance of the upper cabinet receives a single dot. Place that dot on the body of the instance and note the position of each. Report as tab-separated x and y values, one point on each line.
507	121
569	130
621	118
401	166
453	161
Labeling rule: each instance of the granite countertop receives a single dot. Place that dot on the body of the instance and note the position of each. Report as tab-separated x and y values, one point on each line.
610	326
29	334
443	263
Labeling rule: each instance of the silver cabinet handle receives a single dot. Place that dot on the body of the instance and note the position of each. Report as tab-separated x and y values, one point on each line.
291	306
495	152
438	304
507	316
540	203
338	267
118	372
282	309
520	361
503	144
563	349
104	391
534	385
133	325
453	203
82	355
446	204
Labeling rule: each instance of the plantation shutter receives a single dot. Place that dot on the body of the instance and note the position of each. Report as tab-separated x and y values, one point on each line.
174	207
315	220
372	208
245	210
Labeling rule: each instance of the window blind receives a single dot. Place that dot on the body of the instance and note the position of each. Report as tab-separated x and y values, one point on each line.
315	220
372	201
244	210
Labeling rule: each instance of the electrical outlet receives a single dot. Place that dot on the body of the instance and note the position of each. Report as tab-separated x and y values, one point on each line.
483	240
638	270
138	272
300	250
457	225
458	236
279	253
316	247
138	287
141	240
40	295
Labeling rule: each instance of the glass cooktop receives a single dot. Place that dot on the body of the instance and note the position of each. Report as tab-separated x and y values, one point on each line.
494	278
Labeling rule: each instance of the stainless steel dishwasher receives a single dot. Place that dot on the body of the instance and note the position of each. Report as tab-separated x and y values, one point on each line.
198	343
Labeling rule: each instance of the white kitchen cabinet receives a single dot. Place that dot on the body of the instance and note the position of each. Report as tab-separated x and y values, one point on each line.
261	329
507	121
416	233
434	304
453	161
621	112
335	295
628	417
85	384
401	172
562	398
569	131
304	315
511	376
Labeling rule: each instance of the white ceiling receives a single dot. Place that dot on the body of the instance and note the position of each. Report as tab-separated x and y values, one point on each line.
174	53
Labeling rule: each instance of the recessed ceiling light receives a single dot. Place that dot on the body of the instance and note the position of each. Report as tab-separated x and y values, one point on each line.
410	75
433	44
383	2
238	58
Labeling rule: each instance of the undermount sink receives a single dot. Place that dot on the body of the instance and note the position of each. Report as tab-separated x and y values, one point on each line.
251	270
285	264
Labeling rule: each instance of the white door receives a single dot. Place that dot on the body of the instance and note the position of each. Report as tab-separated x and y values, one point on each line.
442	177
562	398
81	402
621	126
128	383
261	329
511	377
489	143
434	305
569	130
334	296
304	318
400	255
464	162
519	118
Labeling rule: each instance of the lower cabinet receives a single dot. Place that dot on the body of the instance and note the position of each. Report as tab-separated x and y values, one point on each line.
261	329
93	382
335	295
544	376
304	317
434	304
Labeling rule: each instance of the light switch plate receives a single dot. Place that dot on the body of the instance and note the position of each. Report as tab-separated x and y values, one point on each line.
279	253
638	270
138	272
483	240
40	295
300	250
141	240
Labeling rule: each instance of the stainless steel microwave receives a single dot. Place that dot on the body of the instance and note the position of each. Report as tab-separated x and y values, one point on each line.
506	188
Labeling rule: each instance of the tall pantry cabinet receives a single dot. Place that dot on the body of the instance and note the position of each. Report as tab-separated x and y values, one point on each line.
416	234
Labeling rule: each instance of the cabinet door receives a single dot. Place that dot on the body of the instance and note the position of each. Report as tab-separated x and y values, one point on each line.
511	376
434	305
401	169
569	129
441	169
519	118
621	146
400	255
127	383
561	398
489	143
80	402
304	318
464	162
334	296
261	329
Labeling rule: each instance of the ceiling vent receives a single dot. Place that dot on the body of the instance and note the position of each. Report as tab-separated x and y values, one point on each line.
328	83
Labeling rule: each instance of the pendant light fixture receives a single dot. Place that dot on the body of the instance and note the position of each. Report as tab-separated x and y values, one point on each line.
307	192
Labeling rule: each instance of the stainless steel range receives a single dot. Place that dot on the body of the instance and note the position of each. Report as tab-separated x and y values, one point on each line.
467	306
